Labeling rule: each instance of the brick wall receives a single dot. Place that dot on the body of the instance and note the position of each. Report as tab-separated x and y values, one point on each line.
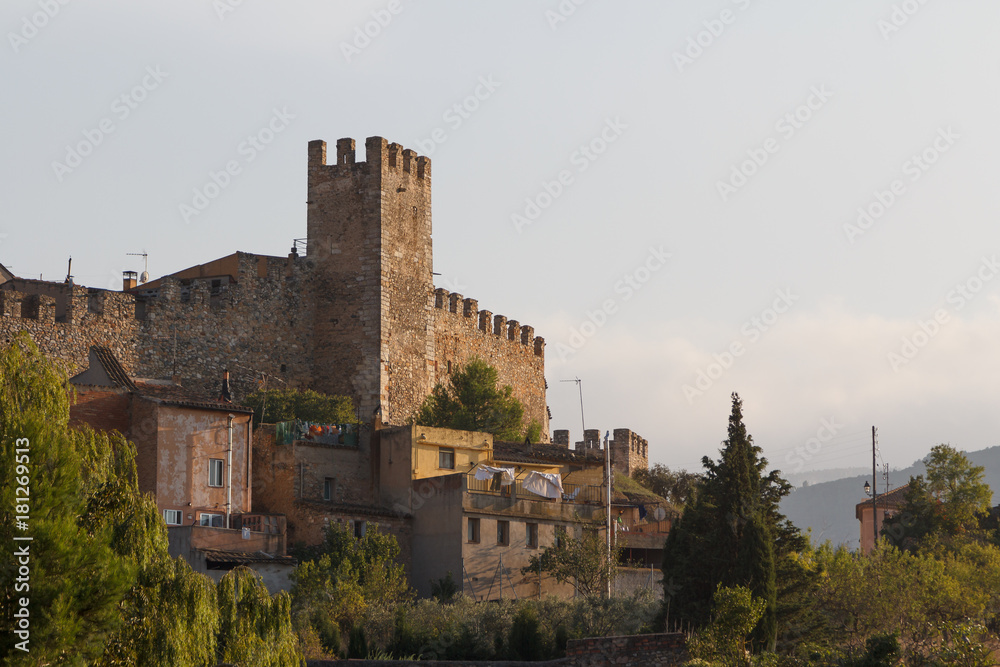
102	408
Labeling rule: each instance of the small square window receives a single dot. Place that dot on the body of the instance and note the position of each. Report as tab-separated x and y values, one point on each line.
474	530
446	458
172	517
215	472
328	487
531	535
360	527
503	532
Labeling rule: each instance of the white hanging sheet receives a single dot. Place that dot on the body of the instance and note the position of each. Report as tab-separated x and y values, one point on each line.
485	472
543	484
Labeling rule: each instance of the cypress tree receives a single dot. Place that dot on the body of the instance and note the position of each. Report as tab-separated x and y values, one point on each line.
732	535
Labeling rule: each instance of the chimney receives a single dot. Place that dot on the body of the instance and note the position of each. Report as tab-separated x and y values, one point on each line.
129	280
225	395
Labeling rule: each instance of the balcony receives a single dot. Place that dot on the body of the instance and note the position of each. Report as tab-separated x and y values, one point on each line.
581	502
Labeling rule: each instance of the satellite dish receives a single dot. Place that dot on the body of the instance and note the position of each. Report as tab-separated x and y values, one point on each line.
660	514
144	277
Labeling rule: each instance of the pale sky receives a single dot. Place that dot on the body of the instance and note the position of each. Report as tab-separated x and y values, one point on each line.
651	185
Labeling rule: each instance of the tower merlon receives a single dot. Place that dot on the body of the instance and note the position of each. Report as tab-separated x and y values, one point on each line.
527	334
486	321
453	301
345	152
470	308
513	330
440	297
379	155
317	153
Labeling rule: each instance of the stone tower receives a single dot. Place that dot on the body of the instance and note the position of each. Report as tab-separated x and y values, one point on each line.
369	234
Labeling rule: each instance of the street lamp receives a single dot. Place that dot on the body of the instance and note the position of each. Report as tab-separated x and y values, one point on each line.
868	488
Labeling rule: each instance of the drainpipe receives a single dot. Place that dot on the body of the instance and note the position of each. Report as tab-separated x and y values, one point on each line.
249	503
229	473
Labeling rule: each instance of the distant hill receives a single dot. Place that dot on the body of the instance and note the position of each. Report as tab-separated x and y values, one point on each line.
819	476
827	508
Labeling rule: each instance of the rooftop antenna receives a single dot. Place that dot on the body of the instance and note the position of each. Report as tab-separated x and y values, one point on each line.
69	270
579	384
144	277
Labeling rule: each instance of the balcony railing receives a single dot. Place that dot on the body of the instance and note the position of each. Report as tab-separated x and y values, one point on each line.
572	493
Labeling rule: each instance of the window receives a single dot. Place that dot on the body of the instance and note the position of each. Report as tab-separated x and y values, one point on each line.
359	529
474	530
172	517
215	472
446	458
503	532
213	520
328	487
531	535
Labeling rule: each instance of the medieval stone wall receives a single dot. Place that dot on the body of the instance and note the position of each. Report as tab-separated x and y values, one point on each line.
260	324
89	317
629	451
357	316
462	332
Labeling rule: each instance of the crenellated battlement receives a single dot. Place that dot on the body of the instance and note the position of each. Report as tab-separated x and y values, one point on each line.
486	322
65	320
380	155
63	303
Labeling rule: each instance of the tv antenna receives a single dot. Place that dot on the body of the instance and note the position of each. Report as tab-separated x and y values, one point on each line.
579	384
144	277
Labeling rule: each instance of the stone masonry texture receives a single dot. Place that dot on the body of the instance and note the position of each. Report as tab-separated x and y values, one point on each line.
358	315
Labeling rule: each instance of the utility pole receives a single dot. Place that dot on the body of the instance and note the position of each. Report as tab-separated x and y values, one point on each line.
874	491
607	477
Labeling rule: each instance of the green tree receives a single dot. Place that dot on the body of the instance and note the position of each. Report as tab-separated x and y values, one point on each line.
278	405
342	577
525	640
736	612
733	534
583	562
951	501
677	486
472	401
255	628
76	579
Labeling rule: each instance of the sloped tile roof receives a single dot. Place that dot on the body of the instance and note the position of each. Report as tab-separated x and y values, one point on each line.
245	557
113	368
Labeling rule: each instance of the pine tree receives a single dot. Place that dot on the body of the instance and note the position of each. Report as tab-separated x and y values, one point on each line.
733	535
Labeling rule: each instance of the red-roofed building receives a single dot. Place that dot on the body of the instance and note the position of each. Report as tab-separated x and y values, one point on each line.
192	454
888	504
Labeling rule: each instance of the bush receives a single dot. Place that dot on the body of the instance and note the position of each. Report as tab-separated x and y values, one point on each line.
525	639
357	644
279	405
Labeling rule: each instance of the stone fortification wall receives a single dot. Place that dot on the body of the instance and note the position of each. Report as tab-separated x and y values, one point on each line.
357	316
629	451
258	323
66	325
463	332
369	227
